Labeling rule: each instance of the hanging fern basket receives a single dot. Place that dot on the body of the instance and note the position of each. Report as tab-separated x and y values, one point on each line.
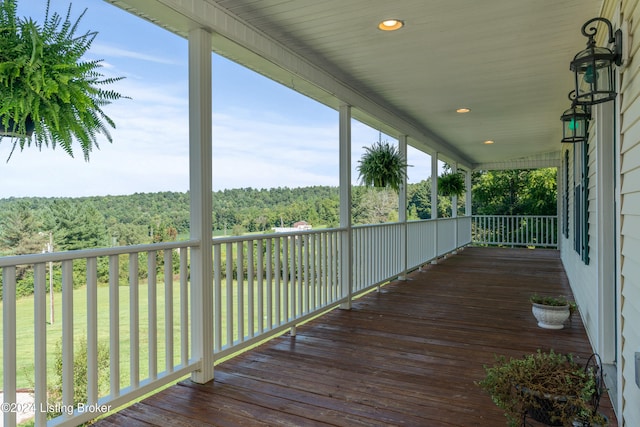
17	130
51	95
451	184
382	166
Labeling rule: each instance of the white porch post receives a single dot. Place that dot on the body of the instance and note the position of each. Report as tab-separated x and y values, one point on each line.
454	211
402	208
200	193
346	252
468	207
434	185
434	202
454	198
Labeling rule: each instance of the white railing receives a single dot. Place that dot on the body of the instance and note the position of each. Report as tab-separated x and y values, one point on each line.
138	299
264	284
146	335
515	230
421	242
377	254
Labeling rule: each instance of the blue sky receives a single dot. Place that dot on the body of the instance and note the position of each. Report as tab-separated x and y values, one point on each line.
264	135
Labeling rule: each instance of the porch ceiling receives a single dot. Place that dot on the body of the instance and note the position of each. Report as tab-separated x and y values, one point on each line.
507	61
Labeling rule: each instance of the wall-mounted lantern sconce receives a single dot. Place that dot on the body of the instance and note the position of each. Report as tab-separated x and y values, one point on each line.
593	67
575	121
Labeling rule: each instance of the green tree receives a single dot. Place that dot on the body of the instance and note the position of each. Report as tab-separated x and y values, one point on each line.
78	225
21	231
374	206
419	198
515	192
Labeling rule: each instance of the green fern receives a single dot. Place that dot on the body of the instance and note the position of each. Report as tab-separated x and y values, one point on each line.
382	166
44	78
451	184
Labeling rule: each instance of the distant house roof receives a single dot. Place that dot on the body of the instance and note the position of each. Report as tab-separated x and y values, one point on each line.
298	226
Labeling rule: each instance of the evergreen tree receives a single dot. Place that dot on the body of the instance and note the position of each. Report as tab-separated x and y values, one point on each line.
78	225
21	231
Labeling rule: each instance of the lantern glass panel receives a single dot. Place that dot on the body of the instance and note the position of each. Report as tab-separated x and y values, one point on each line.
593	69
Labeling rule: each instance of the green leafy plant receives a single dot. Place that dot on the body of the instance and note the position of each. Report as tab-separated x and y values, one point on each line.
382	166
451	184
547	386
45	80
549	300
80	375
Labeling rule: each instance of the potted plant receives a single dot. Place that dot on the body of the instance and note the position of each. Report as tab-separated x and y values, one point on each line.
382	166
551	312
451	184
47	87
552	388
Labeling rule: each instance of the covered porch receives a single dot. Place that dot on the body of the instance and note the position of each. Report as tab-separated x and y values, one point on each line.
408	354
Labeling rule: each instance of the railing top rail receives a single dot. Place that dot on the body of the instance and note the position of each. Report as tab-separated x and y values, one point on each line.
92	253
515	216
412	221
243	238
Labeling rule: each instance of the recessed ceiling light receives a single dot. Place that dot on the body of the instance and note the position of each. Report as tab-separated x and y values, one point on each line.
390	25
488	142
463	110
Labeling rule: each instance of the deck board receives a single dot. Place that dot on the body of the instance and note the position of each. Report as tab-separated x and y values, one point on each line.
407	355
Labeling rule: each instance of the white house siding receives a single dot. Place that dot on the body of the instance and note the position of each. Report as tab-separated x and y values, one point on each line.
584	278
629	179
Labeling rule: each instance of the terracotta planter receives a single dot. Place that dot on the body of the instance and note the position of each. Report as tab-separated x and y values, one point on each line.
549	316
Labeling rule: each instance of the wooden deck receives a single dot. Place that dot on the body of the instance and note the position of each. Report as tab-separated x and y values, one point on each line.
408	355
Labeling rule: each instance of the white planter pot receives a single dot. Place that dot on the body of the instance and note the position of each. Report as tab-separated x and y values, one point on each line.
550	317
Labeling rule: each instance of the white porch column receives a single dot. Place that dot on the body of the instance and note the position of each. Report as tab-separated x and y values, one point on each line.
346	261
454	198
468	207
454	210
434	201
200	193
434	185
402	208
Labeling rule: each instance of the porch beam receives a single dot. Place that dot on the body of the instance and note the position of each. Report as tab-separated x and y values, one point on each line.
346	261
200	193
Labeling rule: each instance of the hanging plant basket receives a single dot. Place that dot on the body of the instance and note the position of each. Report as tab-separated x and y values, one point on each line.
16	130
451	184
382	166
50	93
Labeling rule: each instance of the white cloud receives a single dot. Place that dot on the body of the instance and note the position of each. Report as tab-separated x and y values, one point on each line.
101	49
150	153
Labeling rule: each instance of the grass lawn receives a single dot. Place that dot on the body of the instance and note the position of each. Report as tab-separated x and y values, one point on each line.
25	330
25	326
25	323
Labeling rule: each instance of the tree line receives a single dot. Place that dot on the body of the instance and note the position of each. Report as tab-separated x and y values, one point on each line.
26	224
30	224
